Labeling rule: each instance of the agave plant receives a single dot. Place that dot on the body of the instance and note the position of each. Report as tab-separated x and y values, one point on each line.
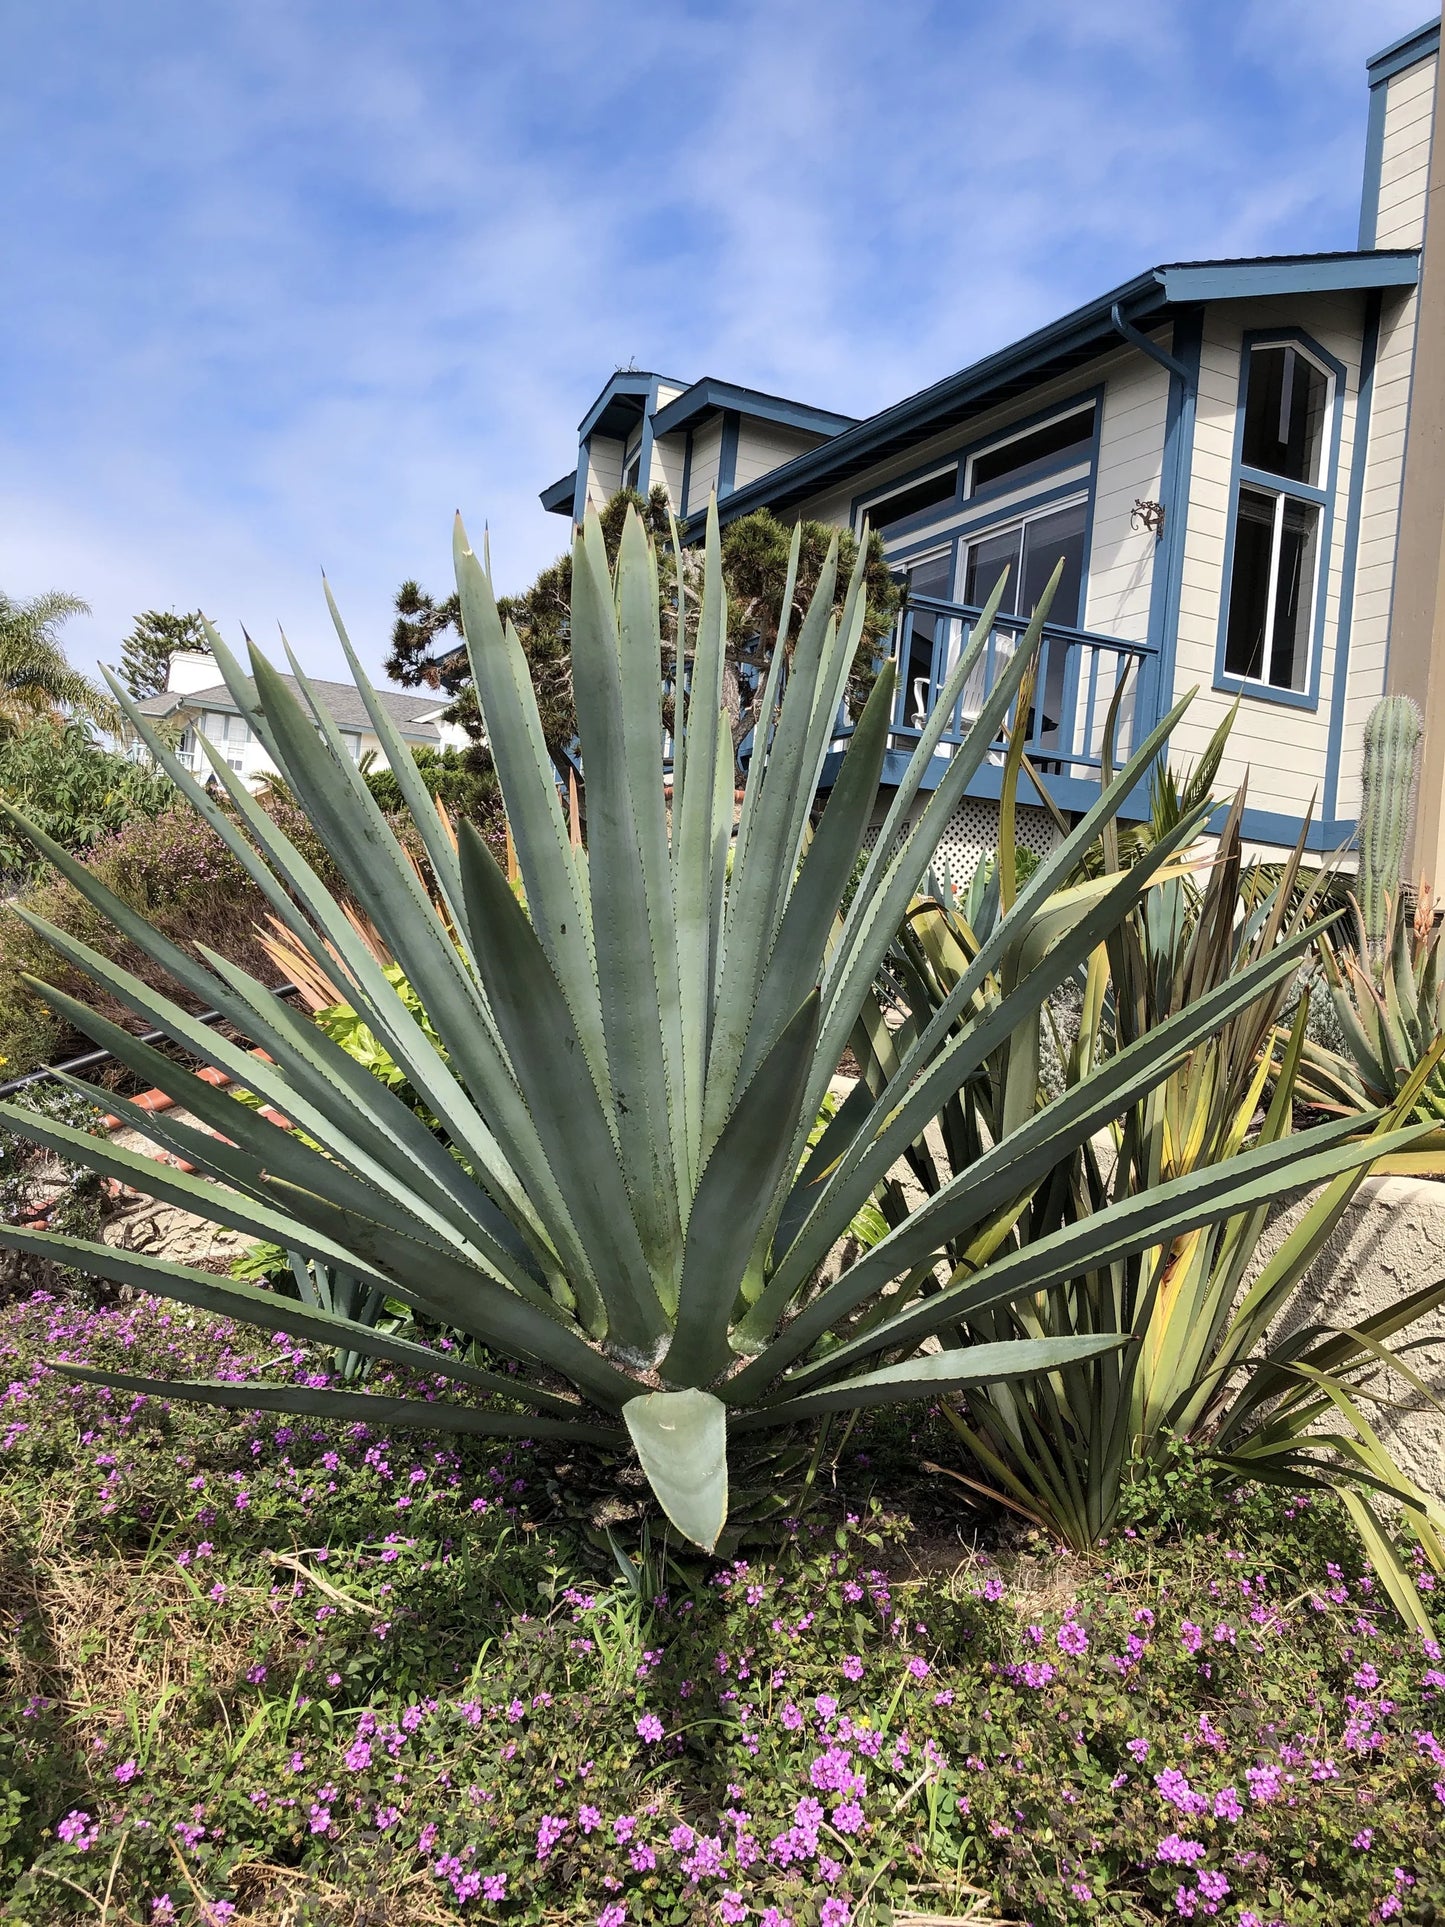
1388	1014
627	1064
1060	1446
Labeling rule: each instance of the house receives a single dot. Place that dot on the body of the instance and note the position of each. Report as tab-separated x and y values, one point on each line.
195	695
1216	451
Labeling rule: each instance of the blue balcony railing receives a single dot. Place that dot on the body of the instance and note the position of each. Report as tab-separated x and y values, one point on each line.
1078	676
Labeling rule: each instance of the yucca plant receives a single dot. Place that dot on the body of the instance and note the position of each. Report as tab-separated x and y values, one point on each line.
628	1064
1060	1446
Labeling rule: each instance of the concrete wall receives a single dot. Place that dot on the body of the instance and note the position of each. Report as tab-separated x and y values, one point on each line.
1389	1243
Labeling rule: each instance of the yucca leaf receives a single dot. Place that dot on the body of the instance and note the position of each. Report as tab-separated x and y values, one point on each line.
930	1373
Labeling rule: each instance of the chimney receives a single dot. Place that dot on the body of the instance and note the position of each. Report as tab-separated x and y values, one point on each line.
190	670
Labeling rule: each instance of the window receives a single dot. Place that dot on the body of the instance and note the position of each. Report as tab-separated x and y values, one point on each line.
1030	551
1038	451
353	744
931	575
889	510
1279	506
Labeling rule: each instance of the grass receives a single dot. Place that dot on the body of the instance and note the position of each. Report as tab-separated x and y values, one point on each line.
299	1673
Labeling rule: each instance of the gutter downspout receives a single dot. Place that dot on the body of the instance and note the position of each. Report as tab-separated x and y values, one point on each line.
1141	341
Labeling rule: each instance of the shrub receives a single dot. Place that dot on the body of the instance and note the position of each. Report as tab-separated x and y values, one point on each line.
174	870
75	790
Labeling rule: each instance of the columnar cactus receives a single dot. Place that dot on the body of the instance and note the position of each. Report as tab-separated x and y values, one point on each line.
1392	743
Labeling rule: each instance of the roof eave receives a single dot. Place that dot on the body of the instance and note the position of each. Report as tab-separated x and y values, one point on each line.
871	441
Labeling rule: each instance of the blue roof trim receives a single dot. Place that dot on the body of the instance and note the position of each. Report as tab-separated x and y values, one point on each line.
1071	341
1313	274
559	497
631	382
1374	164
1408	51
951	400
707	395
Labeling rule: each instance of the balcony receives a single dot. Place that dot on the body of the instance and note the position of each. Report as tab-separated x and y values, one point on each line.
1078	676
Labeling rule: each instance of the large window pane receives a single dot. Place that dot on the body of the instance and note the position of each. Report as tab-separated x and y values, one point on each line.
1048	541
895	508
1036	453
1249	584
987	561
1284	414
1294	595
933	576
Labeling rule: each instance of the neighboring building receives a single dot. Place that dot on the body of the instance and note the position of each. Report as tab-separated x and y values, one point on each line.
1216	451
194	695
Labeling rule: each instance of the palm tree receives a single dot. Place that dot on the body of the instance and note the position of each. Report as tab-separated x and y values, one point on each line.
35	679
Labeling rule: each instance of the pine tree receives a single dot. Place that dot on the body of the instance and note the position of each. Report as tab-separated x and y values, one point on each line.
146	653
427	648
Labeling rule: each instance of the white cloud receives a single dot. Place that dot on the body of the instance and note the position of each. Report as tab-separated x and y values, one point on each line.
302	280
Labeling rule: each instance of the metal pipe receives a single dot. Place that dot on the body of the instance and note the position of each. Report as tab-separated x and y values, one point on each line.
89	1059
1151	348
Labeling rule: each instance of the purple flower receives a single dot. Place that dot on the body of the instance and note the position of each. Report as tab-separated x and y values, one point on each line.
549	1833
852	1666
649	1728
1173	1851
920	1669
1072	1639
589	1819
614	1914
1226	1805
126	1772
494	1886
733	1908
77	1831
836	1913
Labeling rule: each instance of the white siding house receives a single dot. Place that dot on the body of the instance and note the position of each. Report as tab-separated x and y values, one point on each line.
1215	449
196	698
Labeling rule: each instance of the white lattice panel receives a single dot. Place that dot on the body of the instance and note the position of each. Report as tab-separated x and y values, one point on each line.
972	833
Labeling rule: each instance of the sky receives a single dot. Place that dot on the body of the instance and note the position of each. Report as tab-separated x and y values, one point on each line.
287	284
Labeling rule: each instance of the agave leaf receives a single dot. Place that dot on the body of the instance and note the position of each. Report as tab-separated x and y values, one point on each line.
366	1408
535	1020
734	1195
807	923
557	901
619	707
230	1298
681	1442
1121	1229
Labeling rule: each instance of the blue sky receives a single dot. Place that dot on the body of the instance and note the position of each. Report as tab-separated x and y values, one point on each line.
288	283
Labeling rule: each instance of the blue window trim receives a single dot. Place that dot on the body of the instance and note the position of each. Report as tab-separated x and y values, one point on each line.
686	476
942	519
727	456
1224	682
1359	455
1166	585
